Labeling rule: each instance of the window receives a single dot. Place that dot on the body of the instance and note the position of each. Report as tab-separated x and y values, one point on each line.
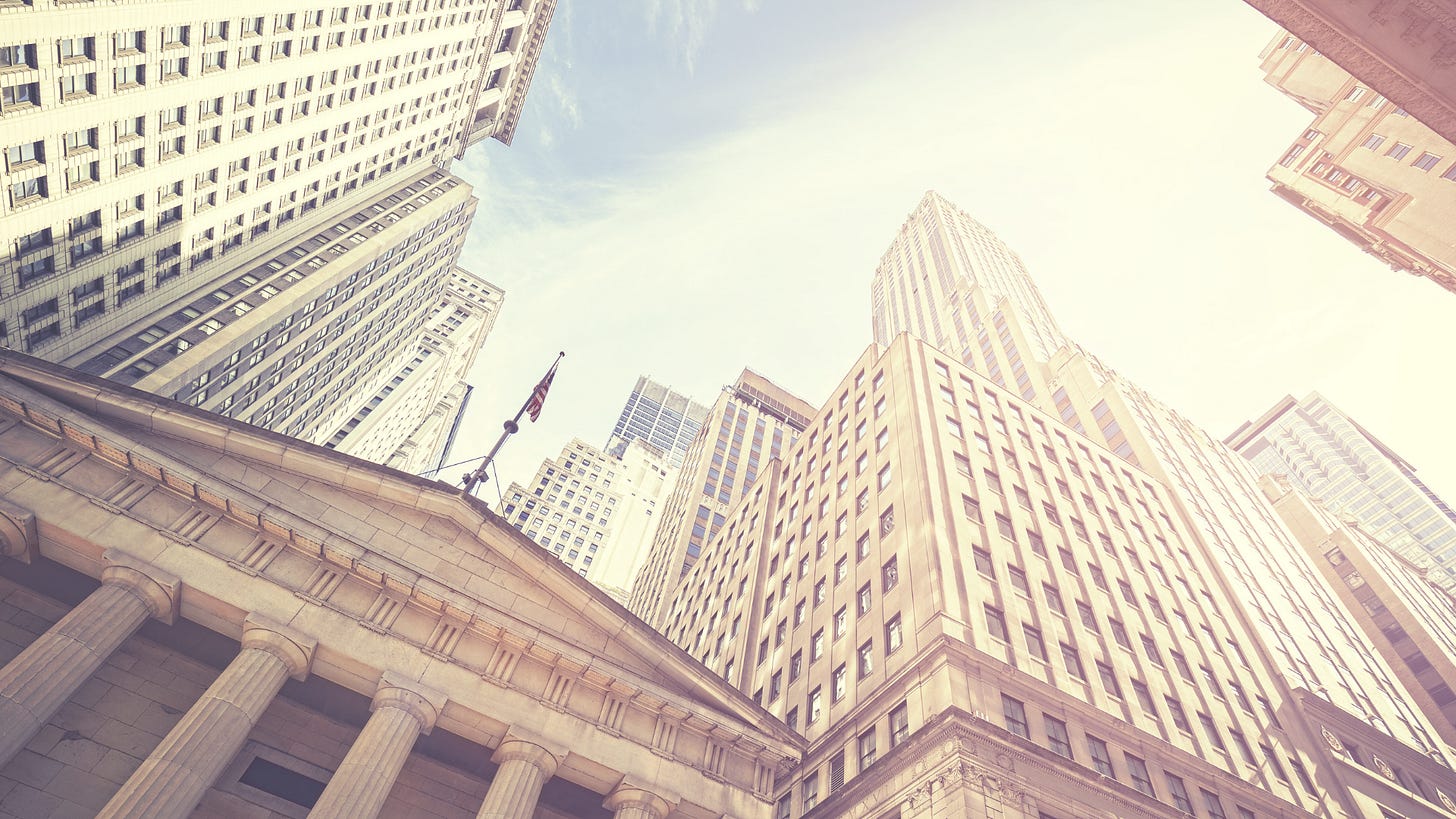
1018	580
889	575
815	706
983	561
836	772
1138	771
1057	738
28	153
1101	761
18	56
841	622
129	76
887	521
996	623
866	658
1109	679
1212	804
866	744
1088	617
1119	633
894	636
1373	141
811	791
1053	598
1014	712
1073	662
1034	643
899	724
1426	161
77	85
1179	793
1398	150
27	190
1144	697
19	95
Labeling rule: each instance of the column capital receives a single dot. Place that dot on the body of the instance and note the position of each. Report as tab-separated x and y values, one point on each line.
294	648
513	749
162	592
627	795
419	701
18	538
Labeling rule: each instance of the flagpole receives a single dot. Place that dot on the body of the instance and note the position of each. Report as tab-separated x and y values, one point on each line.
477	475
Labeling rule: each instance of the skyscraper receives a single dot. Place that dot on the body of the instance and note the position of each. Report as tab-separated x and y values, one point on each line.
961	560
1364	166
1409	620
165	164
663	418
1327	454
410	425
595	509
749	426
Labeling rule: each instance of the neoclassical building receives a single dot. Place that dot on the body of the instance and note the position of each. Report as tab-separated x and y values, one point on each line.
202	618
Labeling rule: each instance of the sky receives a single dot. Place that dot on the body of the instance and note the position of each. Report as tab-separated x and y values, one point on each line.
696	186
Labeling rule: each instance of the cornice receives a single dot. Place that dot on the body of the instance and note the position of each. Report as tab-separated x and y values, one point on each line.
1423	20
526	68
458	617
278	528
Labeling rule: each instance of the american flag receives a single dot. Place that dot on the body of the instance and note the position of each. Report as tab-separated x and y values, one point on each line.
538	396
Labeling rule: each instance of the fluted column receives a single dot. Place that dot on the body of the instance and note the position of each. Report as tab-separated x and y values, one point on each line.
402	711
627	802
524	768
171	781
35	684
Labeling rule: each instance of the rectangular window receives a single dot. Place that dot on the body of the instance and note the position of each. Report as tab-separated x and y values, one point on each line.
1101	760
1057	738
1179	793
894	635
996	623
899	724
1138	771
1398	150
1014	711
1426	161
1073	661
1034	644
866	744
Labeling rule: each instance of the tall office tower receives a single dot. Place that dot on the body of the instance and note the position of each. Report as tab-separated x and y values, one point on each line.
1402	50
665	419
159	155
409	422
750	424
595	509
1364	166
1328	672
941	261
1411	621
969	609
1325	453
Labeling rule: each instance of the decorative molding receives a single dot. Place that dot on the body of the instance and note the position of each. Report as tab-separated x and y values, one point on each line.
217	504
19	537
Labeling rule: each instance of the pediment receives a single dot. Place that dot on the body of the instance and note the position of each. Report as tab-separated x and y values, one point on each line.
382	533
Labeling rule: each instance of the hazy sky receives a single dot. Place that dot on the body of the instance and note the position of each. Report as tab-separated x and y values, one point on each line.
697	186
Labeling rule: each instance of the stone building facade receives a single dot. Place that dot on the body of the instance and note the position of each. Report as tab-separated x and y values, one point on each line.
1404	49
1378	176
203	618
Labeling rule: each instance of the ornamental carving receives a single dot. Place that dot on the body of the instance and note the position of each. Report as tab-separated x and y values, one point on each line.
1334	742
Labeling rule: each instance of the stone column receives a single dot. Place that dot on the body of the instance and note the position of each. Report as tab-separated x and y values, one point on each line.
402	711
524	768
627	802
35	684
171	781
